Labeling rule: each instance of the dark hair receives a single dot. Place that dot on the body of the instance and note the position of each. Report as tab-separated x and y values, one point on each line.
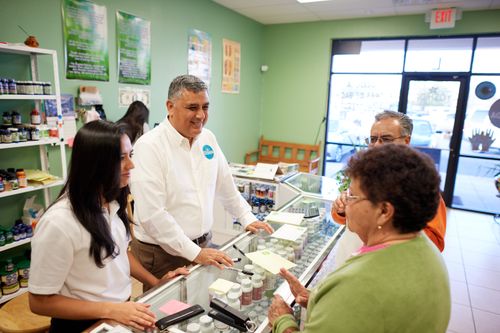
187	82
402	176
94	175
137	114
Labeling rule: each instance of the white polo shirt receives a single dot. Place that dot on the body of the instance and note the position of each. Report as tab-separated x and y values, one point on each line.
174	187
61	264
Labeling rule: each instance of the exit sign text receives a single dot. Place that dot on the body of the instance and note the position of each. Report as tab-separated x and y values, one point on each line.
443	18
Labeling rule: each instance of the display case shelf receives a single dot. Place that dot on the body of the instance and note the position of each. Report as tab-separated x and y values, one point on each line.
49	141
27	97
26	50
15	244
6	298
30	189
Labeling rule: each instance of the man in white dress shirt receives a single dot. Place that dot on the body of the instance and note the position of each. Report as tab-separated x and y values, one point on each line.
179	171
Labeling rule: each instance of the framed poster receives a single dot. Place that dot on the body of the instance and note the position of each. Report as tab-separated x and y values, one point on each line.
134	49
231	66
200	55
85	40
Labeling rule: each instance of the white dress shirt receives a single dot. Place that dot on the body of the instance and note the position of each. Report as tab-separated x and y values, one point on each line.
174	187
61	264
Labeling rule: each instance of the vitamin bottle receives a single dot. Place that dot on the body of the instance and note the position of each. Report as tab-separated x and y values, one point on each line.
206	324
257	287
36	119
21	178
246	292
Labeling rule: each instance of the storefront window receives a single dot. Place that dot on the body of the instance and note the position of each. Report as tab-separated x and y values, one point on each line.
439	55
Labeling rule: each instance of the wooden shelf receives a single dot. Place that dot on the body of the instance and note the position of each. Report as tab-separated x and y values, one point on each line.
26	97
6	298
14	244
30	189
49	141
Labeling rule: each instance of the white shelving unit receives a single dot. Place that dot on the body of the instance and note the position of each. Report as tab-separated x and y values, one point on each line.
33	54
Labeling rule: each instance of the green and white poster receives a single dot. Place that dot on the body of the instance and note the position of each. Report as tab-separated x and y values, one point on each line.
85	40
134	49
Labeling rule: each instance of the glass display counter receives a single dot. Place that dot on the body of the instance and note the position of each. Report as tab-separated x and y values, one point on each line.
308	253
312	185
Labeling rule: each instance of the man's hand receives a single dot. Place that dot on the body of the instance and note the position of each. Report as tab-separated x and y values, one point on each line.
171	274
340	203
300	292
278	308
254	227
213	257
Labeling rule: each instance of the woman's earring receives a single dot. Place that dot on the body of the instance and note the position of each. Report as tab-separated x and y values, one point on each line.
379	227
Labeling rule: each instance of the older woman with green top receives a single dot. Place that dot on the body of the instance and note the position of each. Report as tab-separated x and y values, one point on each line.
397	281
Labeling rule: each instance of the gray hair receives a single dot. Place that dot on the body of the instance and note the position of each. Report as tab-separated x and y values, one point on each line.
405	122
187	82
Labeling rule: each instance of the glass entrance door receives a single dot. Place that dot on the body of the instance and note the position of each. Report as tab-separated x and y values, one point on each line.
435	104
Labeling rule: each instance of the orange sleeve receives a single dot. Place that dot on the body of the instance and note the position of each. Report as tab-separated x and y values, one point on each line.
338	218
436	228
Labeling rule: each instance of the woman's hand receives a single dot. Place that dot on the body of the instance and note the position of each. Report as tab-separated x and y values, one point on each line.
132	314
278	308
171	274
300	292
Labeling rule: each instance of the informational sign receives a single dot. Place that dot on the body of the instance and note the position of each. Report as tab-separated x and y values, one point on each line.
85	40
443	18
134	49
231	61
200	55
127	95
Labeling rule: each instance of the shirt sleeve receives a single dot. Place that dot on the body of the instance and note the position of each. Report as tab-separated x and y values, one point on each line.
436	228
51	257
228	195
148	189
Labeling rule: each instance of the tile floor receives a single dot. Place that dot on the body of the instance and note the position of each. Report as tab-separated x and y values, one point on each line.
472	255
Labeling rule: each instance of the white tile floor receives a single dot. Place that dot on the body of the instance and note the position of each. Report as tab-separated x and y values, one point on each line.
472	255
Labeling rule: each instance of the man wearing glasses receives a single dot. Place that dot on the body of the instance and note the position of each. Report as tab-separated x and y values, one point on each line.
389	127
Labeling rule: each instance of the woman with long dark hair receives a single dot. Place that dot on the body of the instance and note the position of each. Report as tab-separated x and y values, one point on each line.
81	266
136	120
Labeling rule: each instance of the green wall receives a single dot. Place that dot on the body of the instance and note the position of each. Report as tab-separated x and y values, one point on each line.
295	88
170	22
235	118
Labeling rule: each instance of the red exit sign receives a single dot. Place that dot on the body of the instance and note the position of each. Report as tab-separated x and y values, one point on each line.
443	18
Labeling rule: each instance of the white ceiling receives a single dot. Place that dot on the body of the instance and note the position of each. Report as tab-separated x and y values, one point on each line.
290	11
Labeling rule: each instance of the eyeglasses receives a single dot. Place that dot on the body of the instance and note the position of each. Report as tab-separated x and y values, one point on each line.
382	139
350	199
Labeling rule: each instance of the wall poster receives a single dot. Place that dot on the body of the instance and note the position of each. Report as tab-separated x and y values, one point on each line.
134	49
200	54
231	66
127	95
85	40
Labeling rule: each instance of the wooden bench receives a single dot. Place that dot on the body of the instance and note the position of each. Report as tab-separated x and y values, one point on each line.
307	156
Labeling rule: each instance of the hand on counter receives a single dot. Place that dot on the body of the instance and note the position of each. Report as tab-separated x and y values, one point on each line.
171	274
300	292
208	256
132	314
254	227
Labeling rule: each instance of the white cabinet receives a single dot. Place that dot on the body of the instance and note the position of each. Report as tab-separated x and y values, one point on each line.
45	146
